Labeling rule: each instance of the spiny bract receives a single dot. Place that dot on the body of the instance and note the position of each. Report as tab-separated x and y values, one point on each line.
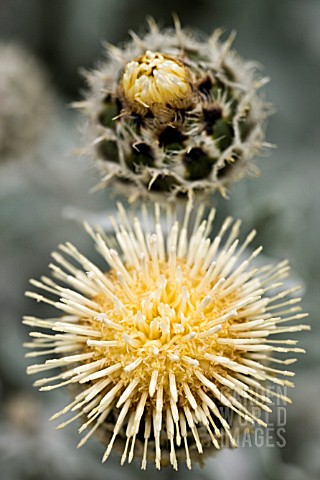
176	332
173	114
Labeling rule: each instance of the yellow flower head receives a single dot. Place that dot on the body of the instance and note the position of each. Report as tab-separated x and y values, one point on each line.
155	80
174	332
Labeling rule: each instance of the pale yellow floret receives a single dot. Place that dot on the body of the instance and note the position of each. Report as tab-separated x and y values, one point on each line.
154	80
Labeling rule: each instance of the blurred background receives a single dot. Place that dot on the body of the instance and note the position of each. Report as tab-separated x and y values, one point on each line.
44	192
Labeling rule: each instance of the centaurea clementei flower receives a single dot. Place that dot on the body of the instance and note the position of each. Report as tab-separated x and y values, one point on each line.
176	328
171	114
26	101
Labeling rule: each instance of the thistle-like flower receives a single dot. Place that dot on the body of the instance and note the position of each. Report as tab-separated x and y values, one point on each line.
178	329
25	101
174	114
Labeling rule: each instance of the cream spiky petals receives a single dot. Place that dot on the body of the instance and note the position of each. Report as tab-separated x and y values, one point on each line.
176	330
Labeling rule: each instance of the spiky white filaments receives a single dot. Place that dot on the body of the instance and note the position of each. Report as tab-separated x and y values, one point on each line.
155	79
176	330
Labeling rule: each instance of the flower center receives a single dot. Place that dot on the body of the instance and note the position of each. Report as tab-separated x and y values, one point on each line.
154	80
166	322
